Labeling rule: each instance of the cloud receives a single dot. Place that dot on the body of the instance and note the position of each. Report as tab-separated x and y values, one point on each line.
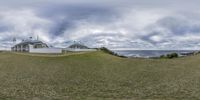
135	24
22	24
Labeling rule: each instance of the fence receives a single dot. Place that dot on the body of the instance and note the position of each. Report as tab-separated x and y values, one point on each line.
79	50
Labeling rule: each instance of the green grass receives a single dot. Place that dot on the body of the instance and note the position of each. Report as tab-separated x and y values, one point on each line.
97	75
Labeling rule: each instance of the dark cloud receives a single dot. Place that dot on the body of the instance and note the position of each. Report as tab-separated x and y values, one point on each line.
179	26
67	17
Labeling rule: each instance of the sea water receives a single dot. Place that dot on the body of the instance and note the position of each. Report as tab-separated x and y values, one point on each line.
150	53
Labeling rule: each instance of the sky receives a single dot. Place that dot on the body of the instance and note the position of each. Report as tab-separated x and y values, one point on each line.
115	24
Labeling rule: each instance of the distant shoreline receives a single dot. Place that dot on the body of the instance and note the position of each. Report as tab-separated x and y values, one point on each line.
153	53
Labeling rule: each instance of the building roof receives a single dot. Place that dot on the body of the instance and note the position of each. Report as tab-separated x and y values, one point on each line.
79	46
30	42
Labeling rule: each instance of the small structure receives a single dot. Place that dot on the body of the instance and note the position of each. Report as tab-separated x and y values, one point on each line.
77	47
34	46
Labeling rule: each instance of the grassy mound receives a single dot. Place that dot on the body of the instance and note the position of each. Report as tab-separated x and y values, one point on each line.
106	50
98	75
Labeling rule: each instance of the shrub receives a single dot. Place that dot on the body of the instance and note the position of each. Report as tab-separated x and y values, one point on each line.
106	50
162	56
172	55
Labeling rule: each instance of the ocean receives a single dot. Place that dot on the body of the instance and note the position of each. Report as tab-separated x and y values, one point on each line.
150	53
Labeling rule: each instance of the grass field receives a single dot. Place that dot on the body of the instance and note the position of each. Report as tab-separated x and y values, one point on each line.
98	75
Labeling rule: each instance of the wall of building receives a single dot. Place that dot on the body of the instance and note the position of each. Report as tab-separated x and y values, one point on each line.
45	50
79	50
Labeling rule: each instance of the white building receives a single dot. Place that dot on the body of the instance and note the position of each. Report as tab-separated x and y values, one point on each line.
34	46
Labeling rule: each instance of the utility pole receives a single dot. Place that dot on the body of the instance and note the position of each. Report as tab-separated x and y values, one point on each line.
14	42
37	37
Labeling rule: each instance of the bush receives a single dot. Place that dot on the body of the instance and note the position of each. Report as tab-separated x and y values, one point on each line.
162	56
170	56
106	50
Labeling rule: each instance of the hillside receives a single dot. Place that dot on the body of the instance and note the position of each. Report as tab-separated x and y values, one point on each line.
98	75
